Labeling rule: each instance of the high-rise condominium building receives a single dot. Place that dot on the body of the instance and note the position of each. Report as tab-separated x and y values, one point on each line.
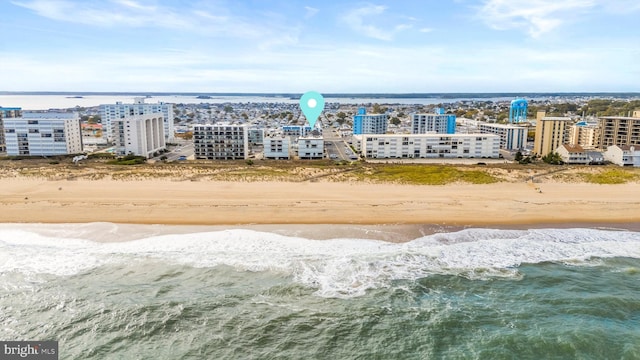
551	132
43	134
617	130
141	135
439	123
111	112
221	142
369	124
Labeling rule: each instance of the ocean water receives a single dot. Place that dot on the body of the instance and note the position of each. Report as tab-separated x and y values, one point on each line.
244	294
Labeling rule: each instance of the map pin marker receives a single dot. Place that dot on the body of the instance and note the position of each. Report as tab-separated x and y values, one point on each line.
312	104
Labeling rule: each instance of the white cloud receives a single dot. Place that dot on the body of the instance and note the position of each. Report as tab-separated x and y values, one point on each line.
112	14
330	69
362	21
311	12
426	30
210	21
536	17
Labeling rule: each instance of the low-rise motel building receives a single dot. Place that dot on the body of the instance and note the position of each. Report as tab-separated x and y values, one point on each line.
141	135
43	134
311	146
277	147
221	142
623	155
512	137
573	154
426	146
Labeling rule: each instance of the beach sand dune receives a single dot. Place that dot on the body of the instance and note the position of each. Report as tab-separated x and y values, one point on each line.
218	202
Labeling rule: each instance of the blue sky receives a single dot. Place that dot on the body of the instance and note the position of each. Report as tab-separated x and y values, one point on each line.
329	46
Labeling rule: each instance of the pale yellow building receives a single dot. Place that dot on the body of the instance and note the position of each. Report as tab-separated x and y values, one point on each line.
585	135
551	132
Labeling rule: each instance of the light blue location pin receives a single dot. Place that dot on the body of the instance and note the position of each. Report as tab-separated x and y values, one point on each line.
312	104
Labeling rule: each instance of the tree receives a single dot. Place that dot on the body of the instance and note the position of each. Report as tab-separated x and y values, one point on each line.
379	110
553	158
341	117
395	121
228	108
519	156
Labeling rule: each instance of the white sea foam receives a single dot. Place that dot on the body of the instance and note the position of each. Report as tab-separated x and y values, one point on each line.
339	267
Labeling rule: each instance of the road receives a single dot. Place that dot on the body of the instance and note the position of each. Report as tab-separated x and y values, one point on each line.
335	144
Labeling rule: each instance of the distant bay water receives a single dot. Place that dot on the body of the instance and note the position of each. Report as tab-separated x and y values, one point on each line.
45	101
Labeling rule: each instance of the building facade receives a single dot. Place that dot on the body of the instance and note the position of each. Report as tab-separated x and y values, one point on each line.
397	146
311	147
551	132
221	142
512	137
141	135
584	134
43	134
277	147
573	154
256	136
7	113
439	123
112	112
617	130
295	131
624	155
364	123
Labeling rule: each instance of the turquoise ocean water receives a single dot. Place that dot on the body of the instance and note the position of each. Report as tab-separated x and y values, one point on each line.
243	294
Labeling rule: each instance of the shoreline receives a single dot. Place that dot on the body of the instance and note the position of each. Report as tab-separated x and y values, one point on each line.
25	200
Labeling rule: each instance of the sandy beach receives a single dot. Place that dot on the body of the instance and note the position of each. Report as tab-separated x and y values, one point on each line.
27	200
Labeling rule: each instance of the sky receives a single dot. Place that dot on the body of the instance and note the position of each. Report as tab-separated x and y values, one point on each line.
331	46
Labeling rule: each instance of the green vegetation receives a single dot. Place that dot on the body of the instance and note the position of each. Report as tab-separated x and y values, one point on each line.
553	158
430	175
128	160
601	107
613	176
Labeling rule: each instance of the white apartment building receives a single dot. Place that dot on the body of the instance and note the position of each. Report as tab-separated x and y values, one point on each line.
573	154
6	113
396	146
433	123
43	134
277	147
111	112
623	155
140	135
512	137
221	142
311	147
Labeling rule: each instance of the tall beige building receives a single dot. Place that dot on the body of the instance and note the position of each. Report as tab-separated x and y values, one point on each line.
619	130
551	132
585	135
